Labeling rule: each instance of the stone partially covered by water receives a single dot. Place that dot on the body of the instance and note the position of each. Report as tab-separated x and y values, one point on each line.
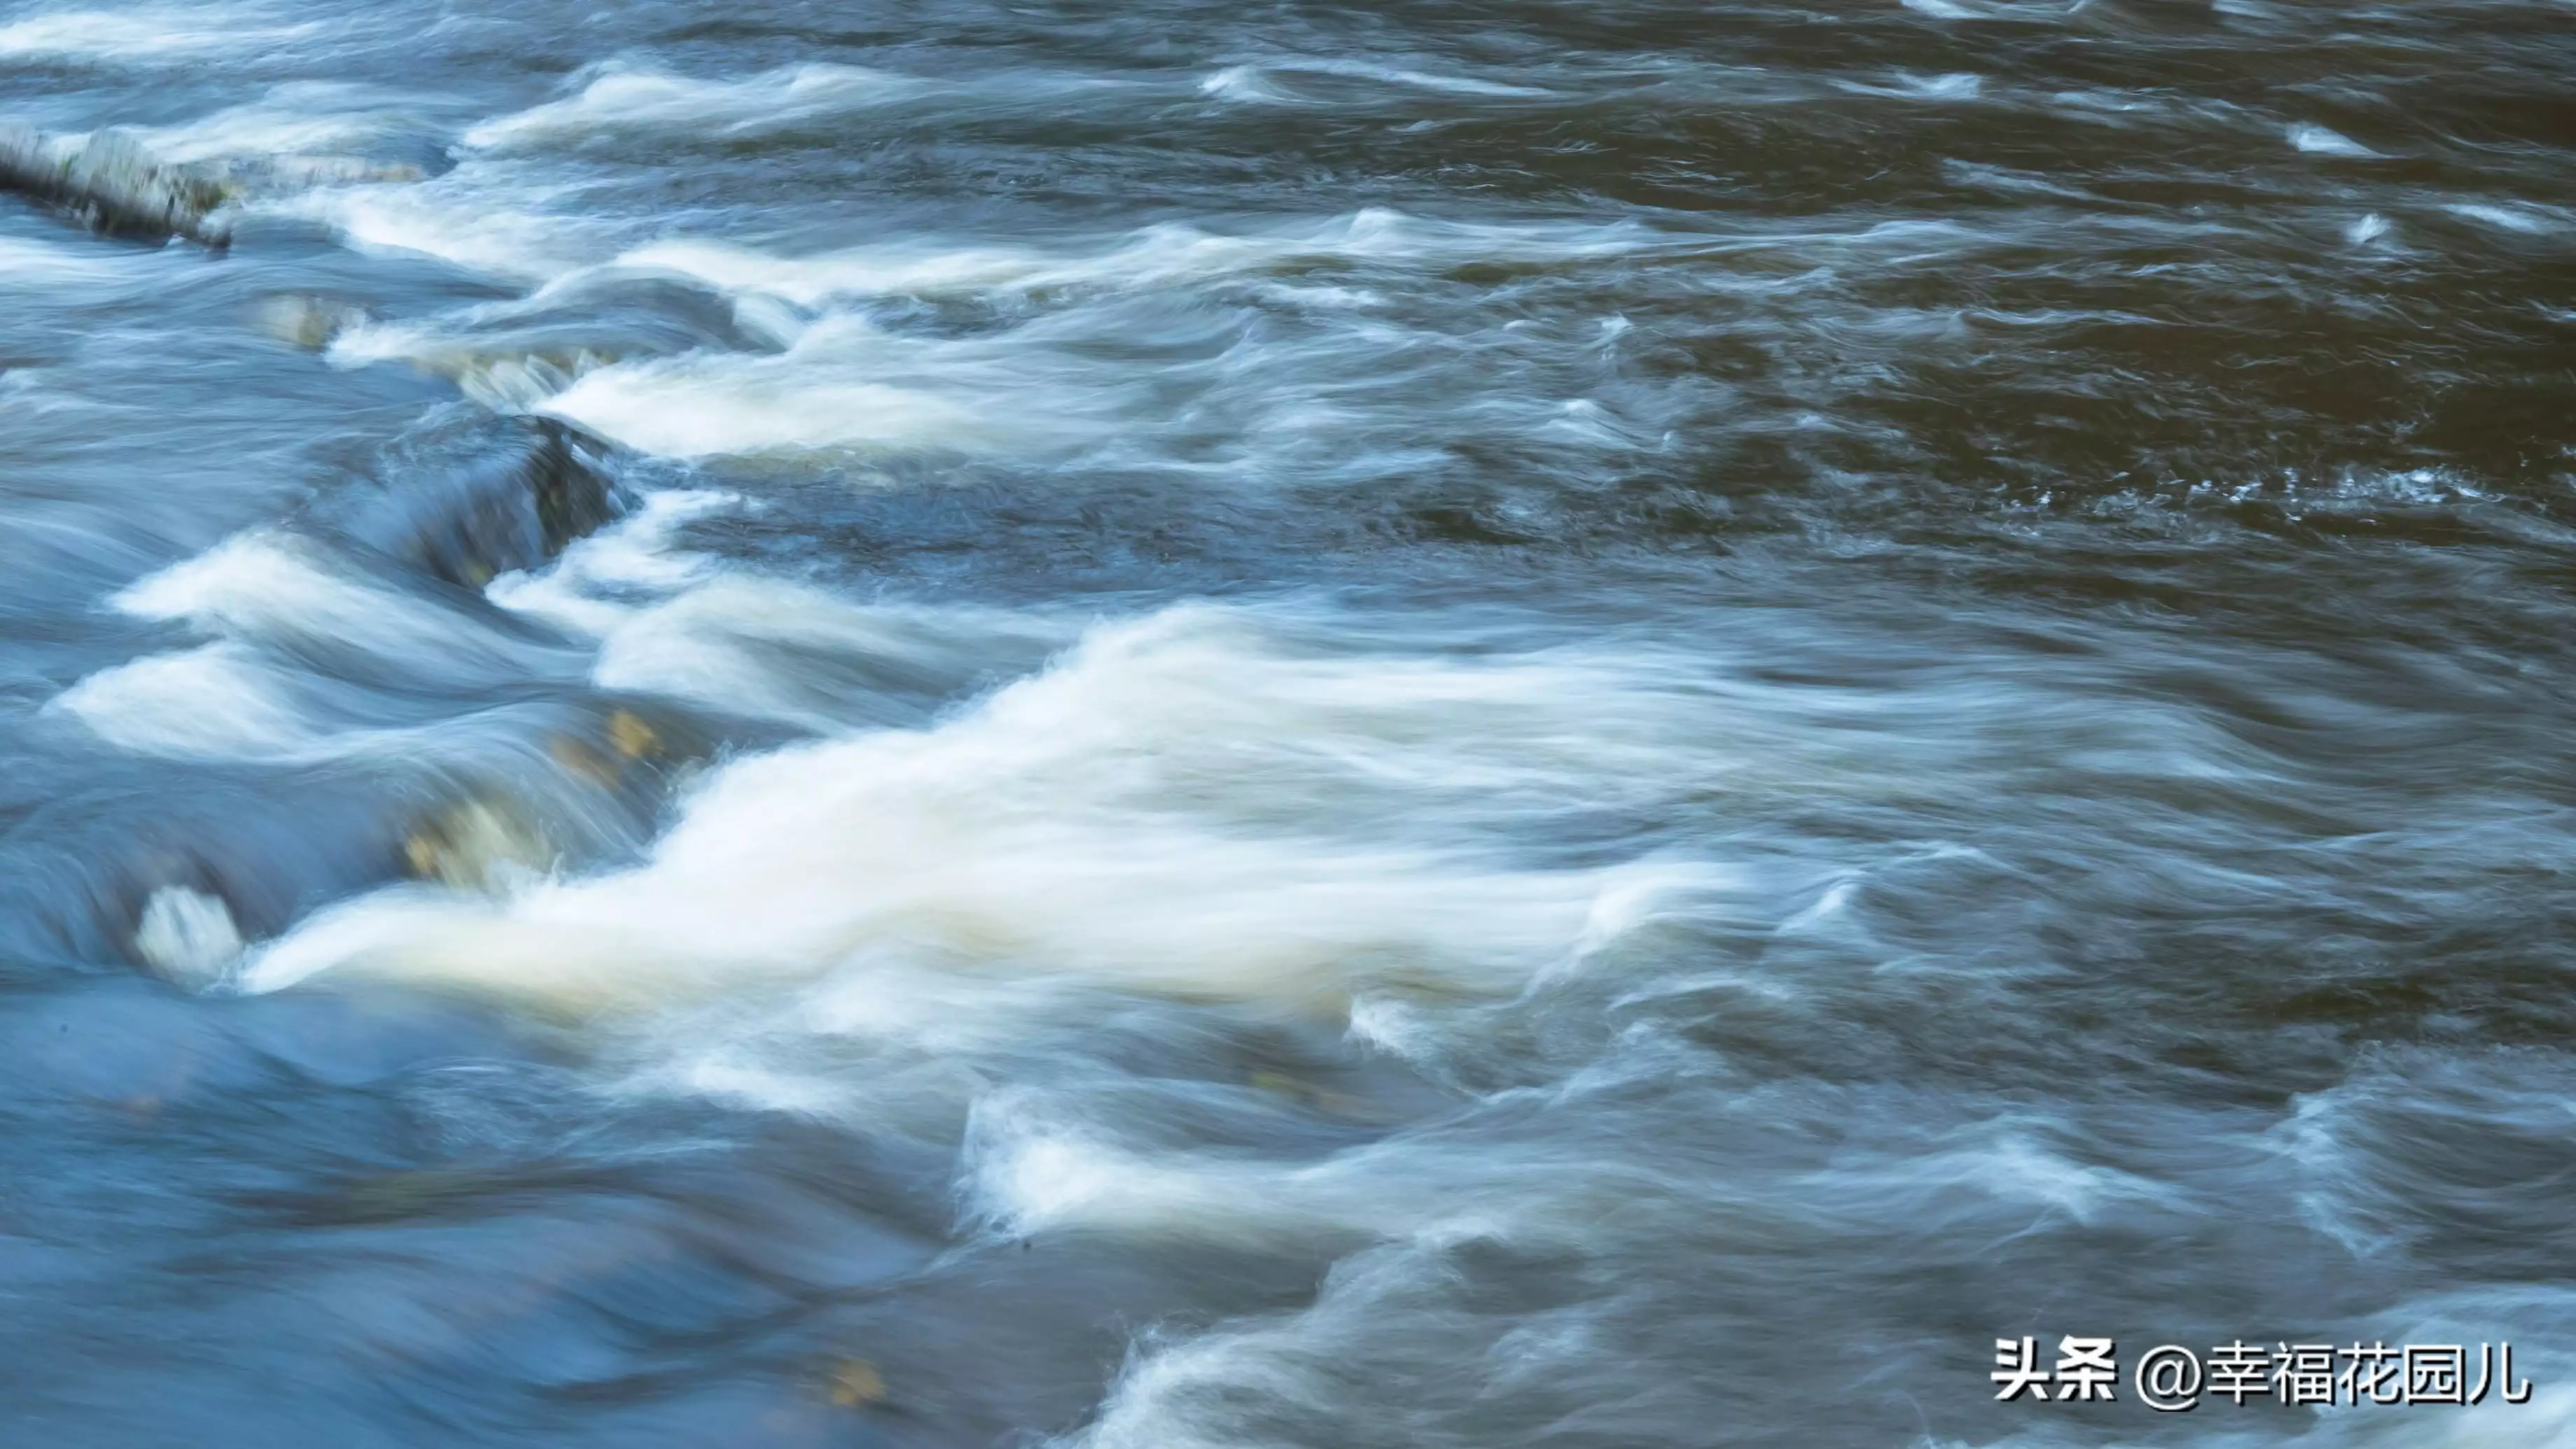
112	183
119	187
472	500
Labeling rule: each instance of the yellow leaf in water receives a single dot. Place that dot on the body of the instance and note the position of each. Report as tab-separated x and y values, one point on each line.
855	1381
632	736
580	759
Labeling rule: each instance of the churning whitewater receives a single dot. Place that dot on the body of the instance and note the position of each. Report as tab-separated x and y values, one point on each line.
1212	727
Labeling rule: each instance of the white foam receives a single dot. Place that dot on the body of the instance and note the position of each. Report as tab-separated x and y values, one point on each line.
36	265
266	584
1244	83
2526	220
1401	1302
1150	257
160	33
847	385
2001	1163
214	702
1952	86
2319	141
1253	82
484	216
623	97
1036	1164
1041	387
271	591
2336	1196
589	588
187	935
1187	310
721	1078
711	404
732	645
1181	806
1038	1180
901	269
220	701
248	579
298	117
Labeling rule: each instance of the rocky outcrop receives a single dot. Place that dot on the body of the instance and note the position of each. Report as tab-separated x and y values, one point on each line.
118	187
467	504
110	182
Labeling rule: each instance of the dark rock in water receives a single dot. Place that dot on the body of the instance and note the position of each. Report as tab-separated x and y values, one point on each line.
463	506
573	494
115	185
111	182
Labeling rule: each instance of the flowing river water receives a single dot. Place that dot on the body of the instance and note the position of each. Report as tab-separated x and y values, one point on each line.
1427	725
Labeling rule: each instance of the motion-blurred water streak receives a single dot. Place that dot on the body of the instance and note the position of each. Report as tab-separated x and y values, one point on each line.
1429	726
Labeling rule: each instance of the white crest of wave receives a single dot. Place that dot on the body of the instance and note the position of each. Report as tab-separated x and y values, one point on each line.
187	934
149	33
213	702
248	581
1253	81
486	216
1042	385
225	701
588	590
268	586
680	624
1030	1175
1149	257
297	117
36	265
709	404
1950	86
1185	804
749	646
2524	219
2319	141
627	96
1036	1164
273	601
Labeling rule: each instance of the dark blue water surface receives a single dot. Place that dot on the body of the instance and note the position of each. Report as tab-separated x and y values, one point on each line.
1215	727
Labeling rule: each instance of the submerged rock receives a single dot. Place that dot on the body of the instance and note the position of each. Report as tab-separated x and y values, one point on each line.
629	741
278	175
116	185
305	321
467	508
855	1382
113	184
479	844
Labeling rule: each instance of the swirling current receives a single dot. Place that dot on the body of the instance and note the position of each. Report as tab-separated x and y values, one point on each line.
1166	726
